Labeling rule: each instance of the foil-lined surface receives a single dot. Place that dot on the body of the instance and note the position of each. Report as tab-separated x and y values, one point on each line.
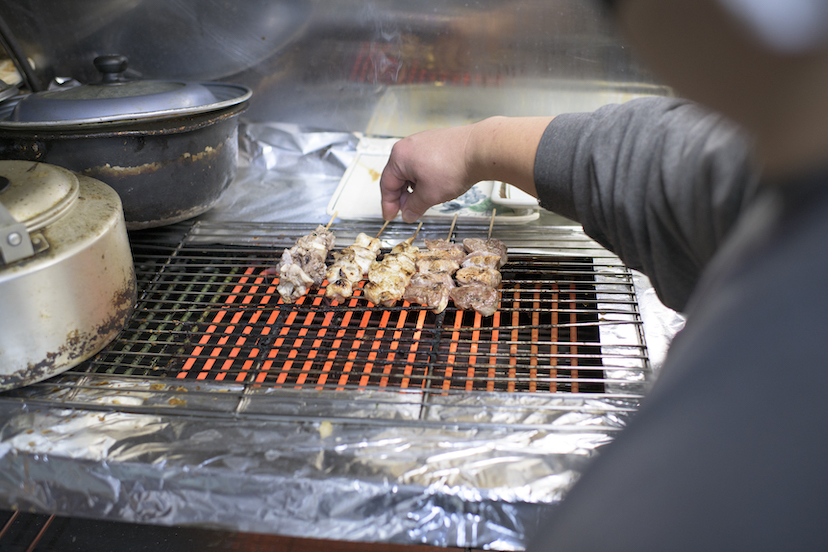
460	468
478	485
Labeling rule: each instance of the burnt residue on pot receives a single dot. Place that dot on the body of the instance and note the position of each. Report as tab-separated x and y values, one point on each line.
208	155
77	346
74	295
32	150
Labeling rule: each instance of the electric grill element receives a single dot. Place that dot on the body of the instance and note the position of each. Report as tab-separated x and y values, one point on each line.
212	314
318	403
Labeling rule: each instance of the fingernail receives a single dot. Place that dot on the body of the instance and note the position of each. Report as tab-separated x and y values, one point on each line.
409	216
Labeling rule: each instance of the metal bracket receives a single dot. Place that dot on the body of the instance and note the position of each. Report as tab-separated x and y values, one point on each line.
15	243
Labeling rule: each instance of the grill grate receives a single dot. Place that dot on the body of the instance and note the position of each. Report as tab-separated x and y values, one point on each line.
220	406
209	320
214	316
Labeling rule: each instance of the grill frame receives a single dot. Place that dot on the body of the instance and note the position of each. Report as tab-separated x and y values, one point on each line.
476	428
197	275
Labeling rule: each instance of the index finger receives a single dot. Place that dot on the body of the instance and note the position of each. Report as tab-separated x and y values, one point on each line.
393	186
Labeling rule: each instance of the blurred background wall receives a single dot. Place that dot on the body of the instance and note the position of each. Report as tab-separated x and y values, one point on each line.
378	66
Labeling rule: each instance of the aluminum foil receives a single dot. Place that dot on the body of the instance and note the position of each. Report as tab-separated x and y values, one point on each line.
464	469
484	486
286	174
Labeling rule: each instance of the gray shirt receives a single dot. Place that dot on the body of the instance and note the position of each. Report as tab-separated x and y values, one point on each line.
729	449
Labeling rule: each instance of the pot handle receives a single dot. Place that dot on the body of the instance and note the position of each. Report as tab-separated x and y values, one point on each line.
111	67
15	242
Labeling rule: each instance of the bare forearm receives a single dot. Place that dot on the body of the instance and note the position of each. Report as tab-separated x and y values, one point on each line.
434	166
504	149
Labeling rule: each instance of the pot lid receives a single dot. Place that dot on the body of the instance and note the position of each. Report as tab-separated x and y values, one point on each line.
116	99
36	194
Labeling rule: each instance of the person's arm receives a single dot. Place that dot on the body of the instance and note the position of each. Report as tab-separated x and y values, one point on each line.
658	181
440	165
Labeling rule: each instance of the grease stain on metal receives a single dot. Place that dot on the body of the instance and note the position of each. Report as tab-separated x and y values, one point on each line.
108	170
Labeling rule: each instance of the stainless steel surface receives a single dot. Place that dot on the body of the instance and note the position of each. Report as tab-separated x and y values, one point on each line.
67	301
463	459
500	56
330	64
220	406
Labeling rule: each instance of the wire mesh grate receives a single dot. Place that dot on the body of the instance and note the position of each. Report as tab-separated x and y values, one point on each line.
209	319
213	315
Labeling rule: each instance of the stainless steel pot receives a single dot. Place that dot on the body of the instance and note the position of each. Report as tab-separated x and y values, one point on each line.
169	148
67	282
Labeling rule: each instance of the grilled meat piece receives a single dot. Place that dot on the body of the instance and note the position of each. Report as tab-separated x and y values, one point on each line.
479	275
436	263
490	246
303	265
446	249
481	298
431	289
433	282
481	259
350	266
293	281
387	279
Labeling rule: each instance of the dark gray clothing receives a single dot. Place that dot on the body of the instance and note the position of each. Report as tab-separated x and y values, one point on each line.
659	181
729	449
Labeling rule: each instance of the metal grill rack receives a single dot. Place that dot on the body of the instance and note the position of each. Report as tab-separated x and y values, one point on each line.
208	315
545	381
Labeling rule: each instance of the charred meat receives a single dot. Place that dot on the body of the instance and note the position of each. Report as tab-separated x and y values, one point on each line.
432	284
303	265
431	289
387	279
481	298
350	266
486	276
487	246
480	276
446	249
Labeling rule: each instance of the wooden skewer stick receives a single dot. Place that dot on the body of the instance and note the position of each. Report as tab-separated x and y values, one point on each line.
451	230
491	224
332	219
383	228
414	237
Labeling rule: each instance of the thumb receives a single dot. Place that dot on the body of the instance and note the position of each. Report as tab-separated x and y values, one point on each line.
413	205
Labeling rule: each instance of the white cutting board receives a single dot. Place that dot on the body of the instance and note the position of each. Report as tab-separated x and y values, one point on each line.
358	195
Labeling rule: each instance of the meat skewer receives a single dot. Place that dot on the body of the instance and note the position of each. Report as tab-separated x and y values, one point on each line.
351	265
433	282
479	275
303	265
387	279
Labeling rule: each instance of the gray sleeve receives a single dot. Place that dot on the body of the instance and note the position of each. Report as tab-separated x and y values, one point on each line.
658	181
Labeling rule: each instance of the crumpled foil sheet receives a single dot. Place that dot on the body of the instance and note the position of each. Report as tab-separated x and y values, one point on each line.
462	486
479	470
286	174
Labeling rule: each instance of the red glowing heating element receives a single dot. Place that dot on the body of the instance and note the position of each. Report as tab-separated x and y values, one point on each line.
530	344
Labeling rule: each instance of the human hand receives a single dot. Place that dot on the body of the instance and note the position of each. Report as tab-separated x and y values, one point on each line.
435	166
425	169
